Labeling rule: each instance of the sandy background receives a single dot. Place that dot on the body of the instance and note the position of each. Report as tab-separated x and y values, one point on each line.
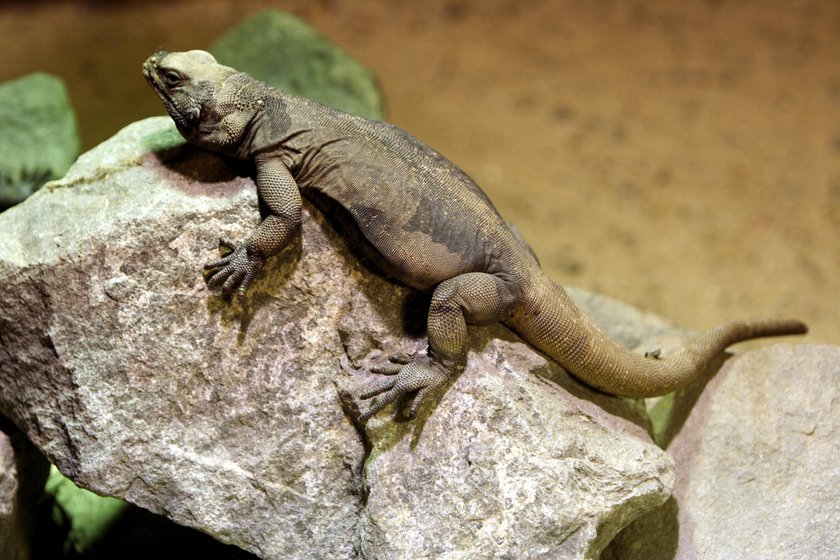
680	156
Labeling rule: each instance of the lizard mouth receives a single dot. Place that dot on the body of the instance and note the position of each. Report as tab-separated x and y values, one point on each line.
150	67
150	73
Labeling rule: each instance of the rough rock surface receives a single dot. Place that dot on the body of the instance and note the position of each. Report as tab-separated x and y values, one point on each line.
285	52
38	135
237	417
23	471
758	474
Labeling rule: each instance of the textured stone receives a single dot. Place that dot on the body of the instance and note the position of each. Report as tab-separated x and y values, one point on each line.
38	135
757	465
283	51
515	460
23	471
508	465
237	418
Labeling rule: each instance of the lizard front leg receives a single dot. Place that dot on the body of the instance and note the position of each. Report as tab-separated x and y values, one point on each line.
279	192
474	298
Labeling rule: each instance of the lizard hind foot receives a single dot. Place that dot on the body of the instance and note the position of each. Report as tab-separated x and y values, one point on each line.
420	376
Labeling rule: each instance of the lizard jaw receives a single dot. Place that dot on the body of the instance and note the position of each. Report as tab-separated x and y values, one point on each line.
149	71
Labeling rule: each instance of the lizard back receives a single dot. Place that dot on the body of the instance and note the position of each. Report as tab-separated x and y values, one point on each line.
424	217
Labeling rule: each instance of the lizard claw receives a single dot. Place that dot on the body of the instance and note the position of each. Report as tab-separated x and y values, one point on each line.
234	271
393	368
420	376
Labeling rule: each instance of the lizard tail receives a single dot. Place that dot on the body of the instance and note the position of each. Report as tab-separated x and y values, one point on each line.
549	320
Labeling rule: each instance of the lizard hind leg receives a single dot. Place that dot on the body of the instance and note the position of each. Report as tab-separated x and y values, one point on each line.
471	298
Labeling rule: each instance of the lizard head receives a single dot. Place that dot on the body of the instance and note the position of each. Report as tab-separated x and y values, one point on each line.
202	97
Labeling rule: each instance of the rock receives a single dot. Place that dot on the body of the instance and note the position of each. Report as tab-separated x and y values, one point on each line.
757	465
23	471
38	135
516	460
283	51
140	386
237	418
507	465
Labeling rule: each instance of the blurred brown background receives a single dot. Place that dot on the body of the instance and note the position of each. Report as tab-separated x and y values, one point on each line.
681	156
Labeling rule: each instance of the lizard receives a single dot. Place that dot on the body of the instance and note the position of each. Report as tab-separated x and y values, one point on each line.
427	223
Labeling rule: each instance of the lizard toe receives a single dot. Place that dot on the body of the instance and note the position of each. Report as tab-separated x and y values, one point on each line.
378	389
218	276
387	369
233	280
218	263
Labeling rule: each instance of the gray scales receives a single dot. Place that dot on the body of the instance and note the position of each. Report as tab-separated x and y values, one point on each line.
422	220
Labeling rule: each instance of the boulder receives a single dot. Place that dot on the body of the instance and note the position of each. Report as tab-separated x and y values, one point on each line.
38	135
239	417
757	465
285	52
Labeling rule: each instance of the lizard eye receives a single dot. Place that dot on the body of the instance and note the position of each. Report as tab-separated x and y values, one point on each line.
172	78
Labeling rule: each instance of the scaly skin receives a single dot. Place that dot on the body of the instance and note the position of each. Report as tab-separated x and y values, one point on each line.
427	224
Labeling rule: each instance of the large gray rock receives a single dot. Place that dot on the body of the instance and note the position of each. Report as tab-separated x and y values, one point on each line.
516	460
23	471
238	418
283	51
38	135
758	465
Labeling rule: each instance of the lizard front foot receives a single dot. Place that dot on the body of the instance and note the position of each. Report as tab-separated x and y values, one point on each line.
419	376
234	271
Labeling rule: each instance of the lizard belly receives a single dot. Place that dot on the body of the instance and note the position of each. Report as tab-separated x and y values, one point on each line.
412	238
416	259
418	256
425	222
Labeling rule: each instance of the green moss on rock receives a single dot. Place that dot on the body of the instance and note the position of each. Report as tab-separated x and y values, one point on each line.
87	516
39	138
